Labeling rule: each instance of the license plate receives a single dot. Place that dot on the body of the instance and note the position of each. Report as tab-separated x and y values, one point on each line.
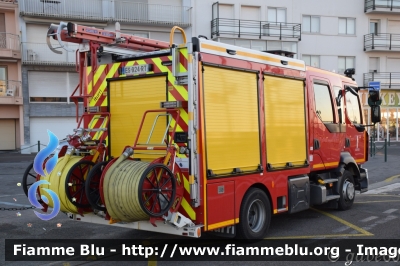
137	69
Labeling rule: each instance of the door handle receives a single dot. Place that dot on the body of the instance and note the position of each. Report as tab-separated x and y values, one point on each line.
347	142
316	144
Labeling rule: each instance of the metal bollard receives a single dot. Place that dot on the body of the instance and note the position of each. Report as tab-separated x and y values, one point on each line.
385	150
373	148
38	146
370	150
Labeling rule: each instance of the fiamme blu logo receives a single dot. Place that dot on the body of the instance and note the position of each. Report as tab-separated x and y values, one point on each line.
43	165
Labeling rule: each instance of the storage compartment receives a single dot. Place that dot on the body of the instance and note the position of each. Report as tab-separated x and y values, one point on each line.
318	193
299	194
285	123
128	100
231	121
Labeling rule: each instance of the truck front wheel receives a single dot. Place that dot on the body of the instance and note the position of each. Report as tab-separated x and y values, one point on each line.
347	191
255	215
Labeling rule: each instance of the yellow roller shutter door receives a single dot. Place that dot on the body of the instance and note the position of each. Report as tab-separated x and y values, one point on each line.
285	121
129	99
231	120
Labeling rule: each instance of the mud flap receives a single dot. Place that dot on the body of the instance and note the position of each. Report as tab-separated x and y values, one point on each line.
228	232
363	180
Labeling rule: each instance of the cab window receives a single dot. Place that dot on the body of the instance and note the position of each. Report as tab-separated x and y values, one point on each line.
353	108
323	103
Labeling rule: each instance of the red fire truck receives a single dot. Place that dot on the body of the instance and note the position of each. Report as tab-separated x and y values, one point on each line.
204	135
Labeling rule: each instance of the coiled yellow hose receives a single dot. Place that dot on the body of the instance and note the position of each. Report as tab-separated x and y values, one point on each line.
121	190
57	182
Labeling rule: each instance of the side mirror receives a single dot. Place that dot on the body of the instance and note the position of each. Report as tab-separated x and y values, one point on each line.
338	98
375	114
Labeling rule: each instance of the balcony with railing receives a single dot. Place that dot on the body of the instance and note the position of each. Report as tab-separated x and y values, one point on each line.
382	42
382	6
8	3
9	45
389	80
261	29
40	54
10	92
108	10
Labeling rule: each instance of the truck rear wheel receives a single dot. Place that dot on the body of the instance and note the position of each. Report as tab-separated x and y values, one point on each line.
347	191
255	215
28	178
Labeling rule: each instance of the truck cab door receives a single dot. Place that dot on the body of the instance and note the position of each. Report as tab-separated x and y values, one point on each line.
328	137
356	135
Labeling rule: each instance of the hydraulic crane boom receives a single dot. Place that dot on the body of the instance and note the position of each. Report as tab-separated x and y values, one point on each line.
93	41
71	32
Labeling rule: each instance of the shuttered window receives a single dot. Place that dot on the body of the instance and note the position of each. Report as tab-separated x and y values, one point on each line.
231	120
285	122
51	86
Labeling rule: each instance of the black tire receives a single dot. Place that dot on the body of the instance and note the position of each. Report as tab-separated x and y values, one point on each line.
92	184
76	177
28	178
346	191
255	215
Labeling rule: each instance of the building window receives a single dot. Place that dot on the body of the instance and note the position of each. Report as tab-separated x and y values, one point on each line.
345	62
48	99
311	60
283	46
243	43
311	24
3	81
250	13
3	73
259	45
141	34
276	14
373	27
347	26
374	64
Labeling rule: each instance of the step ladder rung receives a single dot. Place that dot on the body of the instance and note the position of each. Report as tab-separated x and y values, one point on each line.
332	197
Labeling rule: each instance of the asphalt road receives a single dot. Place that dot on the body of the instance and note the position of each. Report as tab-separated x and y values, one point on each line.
374	215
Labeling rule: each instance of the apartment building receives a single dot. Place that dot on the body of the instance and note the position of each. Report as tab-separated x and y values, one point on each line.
332	35
11	103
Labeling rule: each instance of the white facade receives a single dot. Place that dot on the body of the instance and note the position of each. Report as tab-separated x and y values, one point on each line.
332	35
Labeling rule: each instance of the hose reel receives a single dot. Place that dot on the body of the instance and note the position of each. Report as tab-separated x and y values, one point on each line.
57	183
136	191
